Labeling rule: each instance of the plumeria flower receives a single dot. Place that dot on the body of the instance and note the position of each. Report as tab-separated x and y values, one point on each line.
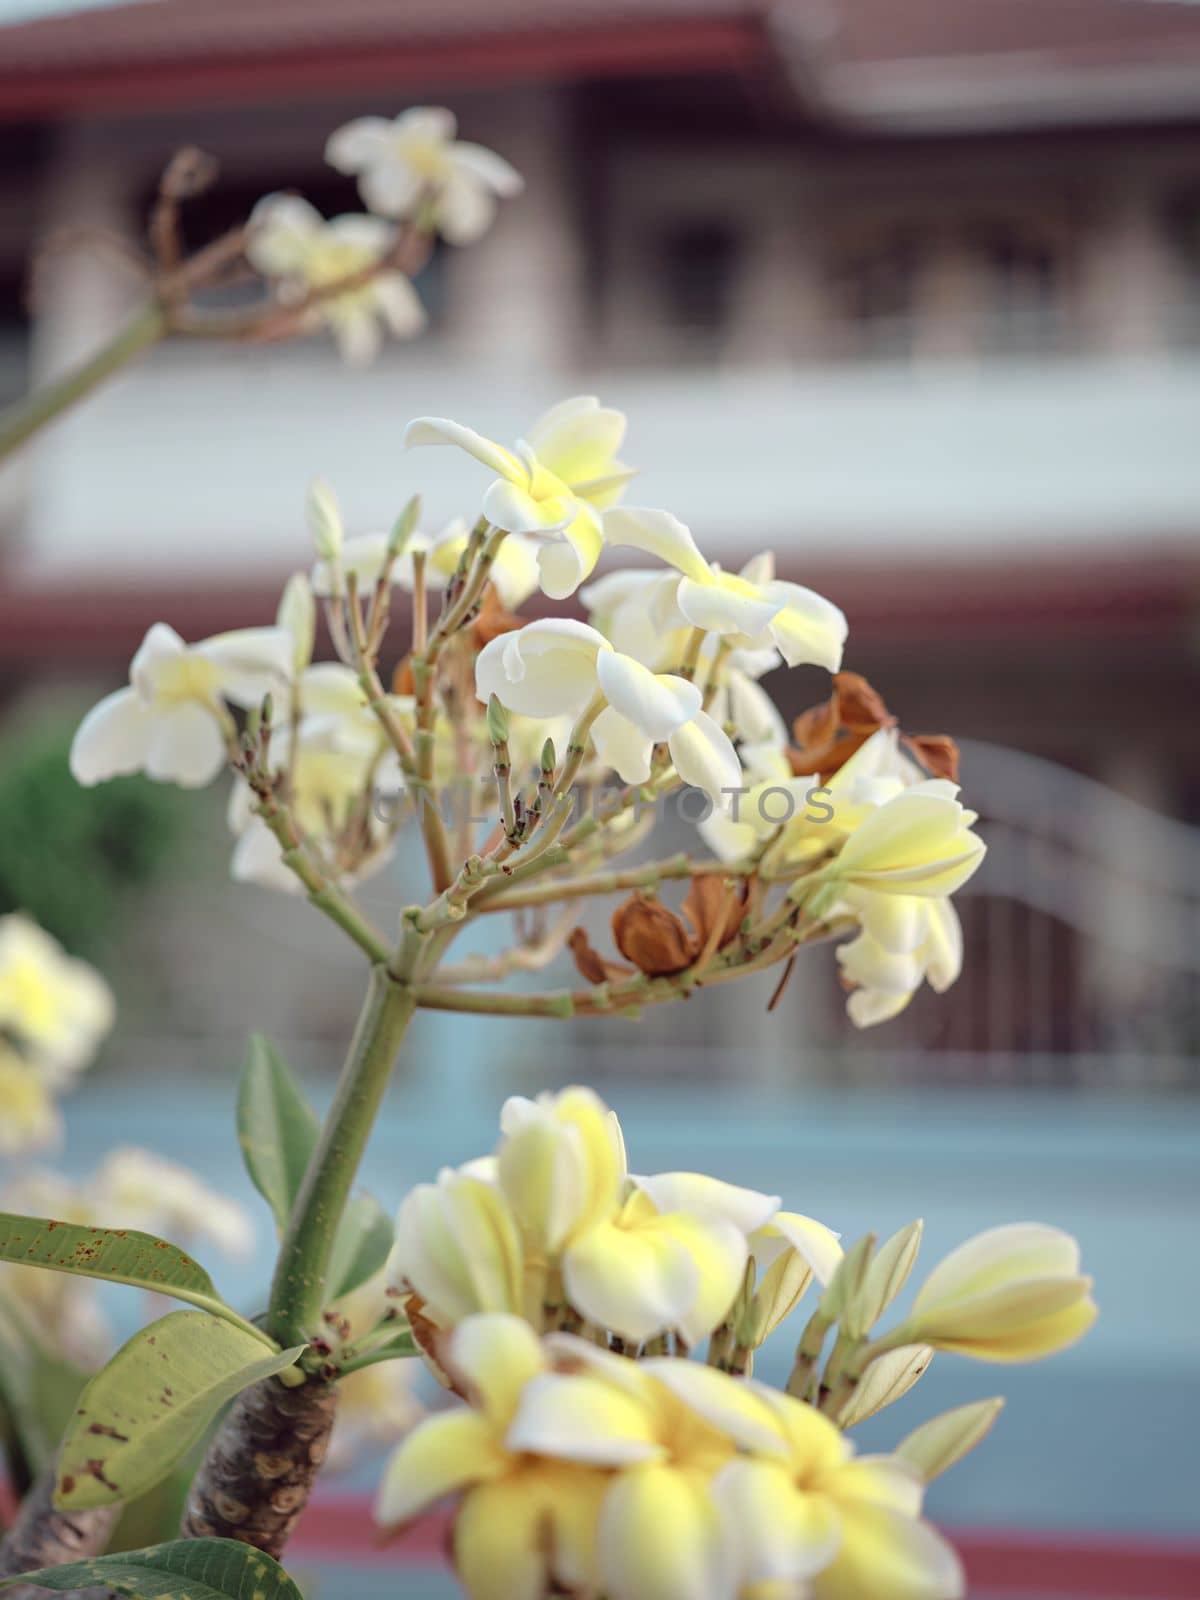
297	616
1010	1294
514	571
415	157
753	606
523	1525
559	483
640	1258
922	942
556	667
659	1532
458	1246
291	243
135	1188
29	1118
170	723
54	1008
799	1506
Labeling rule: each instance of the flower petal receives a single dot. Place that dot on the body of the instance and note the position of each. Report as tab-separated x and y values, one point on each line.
441	1455
580	1417
778	1531
884	1552
705	758
466	206
113	738
659	534
998	1256
636	1282
358	144
186	746
577	439
441	430
499	175
726	605
808	629
510	506
702	1196
661	1538
569	559
545	669
251	662
621	746
658	704
723	1401
497	1354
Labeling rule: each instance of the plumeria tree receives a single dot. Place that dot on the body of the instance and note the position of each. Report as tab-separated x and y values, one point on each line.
598	1327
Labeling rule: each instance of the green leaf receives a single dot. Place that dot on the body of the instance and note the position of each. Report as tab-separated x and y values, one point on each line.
187	1569
38	1390
277	1128
118	1255
361	1245
147	1407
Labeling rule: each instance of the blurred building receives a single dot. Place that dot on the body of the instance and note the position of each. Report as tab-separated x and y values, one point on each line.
908	291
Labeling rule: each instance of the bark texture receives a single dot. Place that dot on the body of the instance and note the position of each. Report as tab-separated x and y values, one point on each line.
259	1470
40	1536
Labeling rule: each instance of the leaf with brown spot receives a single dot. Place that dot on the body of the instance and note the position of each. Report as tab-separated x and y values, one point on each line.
593	967
185	1569
652	937
144	1435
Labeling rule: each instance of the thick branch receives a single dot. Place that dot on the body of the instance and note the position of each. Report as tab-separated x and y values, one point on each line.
43	1537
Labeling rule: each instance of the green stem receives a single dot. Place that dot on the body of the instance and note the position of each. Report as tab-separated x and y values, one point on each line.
22	420
304	1253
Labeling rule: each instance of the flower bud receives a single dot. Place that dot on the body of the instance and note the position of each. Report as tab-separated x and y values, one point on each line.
497	721
847	1282
404	528
1010	1294
324	520
297	614
943	1441
549	760
885	1277
888	1379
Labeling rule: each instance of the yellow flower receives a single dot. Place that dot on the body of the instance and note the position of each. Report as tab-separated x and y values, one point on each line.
458	1247
56	1008
659	1532
661	1255
801	1507
522	1523
29	1119
1010	1294
559	480
919	843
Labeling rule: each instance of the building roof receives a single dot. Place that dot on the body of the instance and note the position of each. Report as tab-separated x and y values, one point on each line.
855	59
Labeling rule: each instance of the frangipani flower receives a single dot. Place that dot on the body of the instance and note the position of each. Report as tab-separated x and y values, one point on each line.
290	242
663	1254
523	1523
905	940
1010	1294
557	666
559	481
415	157
170	723
659	1534
54	1008
801	1507
458	1246
135	1188
753	606
29	1118
919	843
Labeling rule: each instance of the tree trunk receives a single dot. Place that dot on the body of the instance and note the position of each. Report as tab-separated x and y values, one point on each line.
259	1470
43	1537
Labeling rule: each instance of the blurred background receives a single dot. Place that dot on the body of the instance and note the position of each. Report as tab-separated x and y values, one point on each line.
908	292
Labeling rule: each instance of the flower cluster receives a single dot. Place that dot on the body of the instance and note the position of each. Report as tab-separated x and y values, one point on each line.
843	827
351	273
531	1278
54	1011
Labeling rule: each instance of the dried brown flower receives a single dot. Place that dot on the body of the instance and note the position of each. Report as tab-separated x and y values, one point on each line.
827	735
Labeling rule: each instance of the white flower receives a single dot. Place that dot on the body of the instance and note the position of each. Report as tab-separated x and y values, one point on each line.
905	940
416	155
514	571
288	240
561	480
135	1188
56	1009
556	666
168	723
753	606
297	616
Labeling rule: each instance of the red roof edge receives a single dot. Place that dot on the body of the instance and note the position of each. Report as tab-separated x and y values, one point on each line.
626	49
